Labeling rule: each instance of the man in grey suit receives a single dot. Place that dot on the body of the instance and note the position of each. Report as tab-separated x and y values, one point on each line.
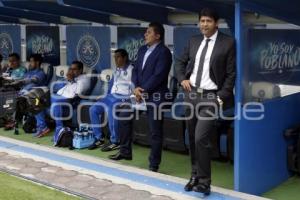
206	71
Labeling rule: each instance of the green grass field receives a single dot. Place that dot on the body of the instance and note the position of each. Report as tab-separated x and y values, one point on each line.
13	188
289	190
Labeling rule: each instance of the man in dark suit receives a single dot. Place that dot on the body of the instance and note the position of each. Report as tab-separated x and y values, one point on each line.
150	77
206	71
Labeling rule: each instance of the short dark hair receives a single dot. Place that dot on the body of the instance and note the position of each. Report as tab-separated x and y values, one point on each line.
36	57
123	53
1	57
17	56
158	29
79	64
208	12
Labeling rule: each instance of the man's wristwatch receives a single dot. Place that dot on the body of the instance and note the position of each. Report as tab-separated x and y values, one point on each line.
220	101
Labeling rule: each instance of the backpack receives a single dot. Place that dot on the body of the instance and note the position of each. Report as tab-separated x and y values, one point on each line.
29	124
64	138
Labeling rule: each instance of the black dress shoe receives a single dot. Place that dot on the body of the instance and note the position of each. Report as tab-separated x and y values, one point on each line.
192	182
203	188
153	169
119	156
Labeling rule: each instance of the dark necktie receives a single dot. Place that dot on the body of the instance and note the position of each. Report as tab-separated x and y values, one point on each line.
201	63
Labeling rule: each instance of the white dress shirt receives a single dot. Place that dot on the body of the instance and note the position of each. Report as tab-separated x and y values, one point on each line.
148	52
79	86
206	82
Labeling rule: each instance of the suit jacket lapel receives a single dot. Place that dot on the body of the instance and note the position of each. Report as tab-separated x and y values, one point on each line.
196	46
215	49
194	49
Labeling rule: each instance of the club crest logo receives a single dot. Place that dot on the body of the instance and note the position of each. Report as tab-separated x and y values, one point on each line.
88	50
6	45
62	73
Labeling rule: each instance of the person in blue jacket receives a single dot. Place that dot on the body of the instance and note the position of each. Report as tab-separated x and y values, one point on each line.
150	78
120	90
35	76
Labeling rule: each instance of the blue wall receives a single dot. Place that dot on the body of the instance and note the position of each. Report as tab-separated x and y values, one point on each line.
261	159
10	40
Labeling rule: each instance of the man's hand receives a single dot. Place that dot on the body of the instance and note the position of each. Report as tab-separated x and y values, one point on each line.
186	84
138	93
70	75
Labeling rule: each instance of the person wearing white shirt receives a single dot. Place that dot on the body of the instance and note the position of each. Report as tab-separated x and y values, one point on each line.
77	85
119	91
206	71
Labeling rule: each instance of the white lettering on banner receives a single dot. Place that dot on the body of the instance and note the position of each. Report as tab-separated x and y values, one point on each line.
279	57
42	44
132	46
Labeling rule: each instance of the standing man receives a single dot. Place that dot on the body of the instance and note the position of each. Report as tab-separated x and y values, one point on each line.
150	78
206	71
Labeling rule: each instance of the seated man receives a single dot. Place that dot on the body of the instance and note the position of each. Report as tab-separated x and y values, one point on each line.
15	70
35	76
78	84
120	90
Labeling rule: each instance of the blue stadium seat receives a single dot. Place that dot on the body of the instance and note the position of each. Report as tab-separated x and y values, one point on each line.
48	70
92	74
174	137
59	78
173	130
260	91
99	91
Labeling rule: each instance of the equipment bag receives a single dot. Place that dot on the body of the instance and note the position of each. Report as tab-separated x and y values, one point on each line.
64	138
34	101
29	124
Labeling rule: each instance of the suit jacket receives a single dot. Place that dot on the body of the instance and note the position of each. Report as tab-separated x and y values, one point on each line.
222	65
153	78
